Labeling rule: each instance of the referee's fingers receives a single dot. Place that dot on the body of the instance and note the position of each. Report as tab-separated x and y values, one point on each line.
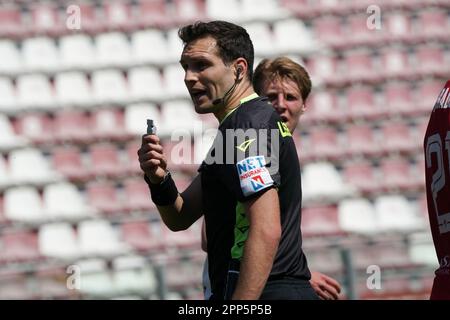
150	138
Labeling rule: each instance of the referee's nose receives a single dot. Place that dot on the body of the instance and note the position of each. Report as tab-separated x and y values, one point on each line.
190	78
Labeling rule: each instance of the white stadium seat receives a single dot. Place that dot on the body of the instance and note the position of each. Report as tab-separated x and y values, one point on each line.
40	54
23	204
77	51
34	92
136	116
64	201
10	53
58	240
109	86
145	83
149	46
113	49
30	166
72	89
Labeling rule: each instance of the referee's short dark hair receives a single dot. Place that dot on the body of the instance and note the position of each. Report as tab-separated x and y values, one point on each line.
232	40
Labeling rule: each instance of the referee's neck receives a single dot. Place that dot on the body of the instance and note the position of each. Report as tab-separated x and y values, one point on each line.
240	93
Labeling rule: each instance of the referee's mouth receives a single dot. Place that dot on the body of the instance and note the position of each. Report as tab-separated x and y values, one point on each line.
197	94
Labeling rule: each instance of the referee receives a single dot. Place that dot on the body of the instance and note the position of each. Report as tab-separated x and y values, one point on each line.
248	187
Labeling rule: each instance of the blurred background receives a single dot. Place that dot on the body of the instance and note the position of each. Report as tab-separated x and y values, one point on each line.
78	79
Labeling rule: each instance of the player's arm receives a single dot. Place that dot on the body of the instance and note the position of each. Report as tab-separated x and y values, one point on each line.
261	245
178	211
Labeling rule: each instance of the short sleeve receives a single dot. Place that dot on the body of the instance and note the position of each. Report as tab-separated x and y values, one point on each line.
255	166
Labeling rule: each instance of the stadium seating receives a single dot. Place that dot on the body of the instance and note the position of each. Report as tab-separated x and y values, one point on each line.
23	204
63	201
9	52
321	221
145	84
137	196
149	46
99	237
8	139
136	116
132	275
30	166
68	161
77	51
58	240
105	161
143	236
362	176
395	213
34	91
74	105
67	126
40	54
357	216
68	87
109	87
112	50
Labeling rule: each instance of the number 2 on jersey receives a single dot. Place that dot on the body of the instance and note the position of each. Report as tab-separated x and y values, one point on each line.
434	145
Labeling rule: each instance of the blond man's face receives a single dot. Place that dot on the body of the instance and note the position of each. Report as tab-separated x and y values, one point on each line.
285	96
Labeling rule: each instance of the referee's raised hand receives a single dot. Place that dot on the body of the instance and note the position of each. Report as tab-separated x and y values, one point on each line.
152	159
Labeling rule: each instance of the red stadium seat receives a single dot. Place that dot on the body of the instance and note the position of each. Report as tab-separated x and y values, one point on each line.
118	15
396	174
45	18
109	124
180	155
73	126
361	175
397	137
68	161
398	27
398	99
395	63
153	13
105	161
426	95
141	236
325	143
361	104
433	23
189	10
90	20
361	141
359	66
186	239
10	21
103	196
132	163
329	30
300	8
418	177
319	221
324	68
20	246
359	33
137	196
430	59
323	106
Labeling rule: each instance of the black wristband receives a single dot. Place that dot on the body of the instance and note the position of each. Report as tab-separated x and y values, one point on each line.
164	193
